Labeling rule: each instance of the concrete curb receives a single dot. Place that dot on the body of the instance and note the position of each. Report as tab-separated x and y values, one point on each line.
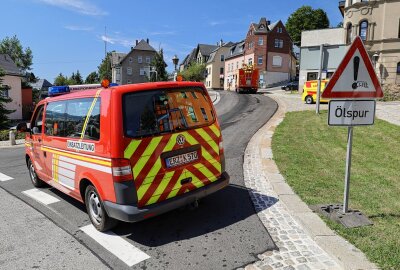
345	255
7	144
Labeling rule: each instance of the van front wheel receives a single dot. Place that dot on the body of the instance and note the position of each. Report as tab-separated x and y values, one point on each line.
309	99
36	181
95	209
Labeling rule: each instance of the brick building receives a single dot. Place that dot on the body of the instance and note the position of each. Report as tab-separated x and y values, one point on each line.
269	48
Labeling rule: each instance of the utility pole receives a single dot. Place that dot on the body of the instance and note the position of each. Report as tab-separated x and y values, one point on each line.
105	41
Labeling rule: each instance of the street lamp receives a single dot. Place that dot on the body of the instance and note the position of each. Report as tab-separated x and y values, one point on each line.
175	60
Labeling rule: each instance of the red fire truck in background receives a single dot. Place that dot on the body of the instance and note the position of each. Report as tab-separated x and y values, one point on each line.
247	79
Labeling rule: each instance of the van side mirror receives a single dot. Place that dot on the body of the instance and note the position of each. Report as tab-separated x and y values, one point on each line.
35	130
22	127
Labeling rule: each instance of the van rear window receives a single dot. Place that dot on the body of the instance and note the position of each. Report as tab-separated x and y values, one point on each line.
164	111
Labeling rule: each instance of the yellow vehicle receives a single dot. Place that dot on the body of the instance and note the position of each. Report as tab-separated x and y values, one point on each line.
310	91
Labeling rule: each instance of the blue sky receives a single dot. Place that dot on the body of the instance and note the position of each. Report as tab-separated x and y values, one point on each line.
68	35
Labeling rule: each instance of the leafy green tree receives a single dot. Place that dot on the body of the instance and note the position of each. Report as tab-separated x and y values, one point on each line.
93	77
159	65
195	72
61	80
21	57
4	120
104	69
77	77
305	18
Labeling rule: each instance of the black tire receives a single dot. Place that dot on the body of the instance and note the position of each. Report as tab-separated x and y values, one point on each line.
95	209
309	100
36	181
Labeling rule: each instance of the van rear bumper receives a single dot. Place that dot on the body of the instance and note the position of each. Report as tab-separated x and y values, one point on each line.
131	213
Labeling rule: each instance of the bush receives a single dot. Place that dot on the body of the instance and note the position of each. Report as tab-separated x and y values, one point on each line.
5	135
391	92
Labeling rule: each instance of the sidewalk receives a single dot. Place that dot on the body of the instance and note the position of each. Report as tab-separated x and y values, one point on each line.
303	239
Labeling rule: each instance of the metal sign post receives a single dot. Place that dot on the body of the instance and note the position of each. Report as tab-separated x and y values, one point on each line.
321	59
348	170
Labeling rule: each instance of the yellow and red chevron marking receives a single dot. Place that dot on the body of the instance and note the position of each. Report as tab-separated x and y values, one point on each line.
154	182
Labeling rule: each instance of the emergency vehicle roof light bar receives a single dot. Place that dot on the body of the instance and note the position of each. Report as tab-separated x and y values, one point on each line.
65	89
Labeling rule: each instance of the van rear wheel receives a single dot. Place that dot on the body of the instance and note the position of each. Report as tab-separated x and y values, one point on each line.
95	209
309	99
36	181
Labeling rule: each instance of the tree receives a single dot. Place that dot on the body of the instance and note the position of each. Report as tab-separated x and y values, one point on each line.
159	65
22	58
4	98
60	80
104	69
77	78
305	18
195	72
93	77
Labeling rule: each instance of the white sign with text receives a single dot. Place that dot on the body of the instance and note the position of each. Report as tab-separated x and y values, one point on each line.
351	112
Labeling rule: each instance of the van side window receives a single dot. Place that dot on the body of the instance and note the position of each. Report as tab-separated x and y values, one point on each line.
55	119
76	120
38	121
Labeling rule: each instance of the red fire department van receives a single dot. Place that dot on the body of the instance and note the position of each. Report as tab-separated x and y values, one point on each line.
247	79
128	152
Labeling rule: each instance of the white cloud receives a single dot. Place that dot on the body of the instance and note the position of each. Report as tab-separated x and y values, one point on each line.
78	28
126	42
79	6
215	23
162	33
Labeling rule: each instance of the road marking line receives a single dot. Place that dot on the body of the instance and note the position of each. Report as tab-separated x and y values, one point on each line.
40	196
118	246
4	177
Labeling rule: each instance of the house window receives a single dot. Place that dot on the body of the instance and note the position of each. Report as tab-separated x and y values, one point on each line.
129	81
140	59
250	61
222	58
349	33
148	59
129	71
364	30
142	72
279	30
221	70
5	93
278	43
260	60
130	59
237	65
398	68
260	41
277	61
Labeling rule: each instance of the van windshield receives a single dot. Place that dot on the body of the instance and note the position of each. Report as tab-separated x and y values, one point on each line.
164	111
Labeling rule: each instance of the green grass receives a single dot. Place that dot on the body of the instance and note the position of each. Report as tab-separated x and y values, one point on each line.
312	156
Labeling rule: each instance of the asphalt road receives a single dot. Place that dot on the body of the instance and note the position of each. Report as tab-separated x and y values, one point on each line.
224	232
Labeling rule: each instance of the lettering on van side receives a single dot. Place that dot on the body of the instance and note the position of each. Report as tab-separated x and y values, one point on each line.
81	146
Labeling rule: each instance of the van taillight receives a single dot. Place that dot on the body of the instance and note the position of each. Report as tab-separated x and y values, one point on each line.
121	169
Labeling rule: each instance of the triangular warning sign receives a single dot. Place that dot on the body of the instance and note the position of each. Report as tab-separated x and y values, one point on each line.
355	77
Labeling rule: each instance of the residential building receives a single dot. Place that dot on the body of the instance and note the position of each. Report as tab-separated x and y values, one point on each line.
135	66
200	55
42	85
233	61
269	48
334	50
216	66
377	22
12	82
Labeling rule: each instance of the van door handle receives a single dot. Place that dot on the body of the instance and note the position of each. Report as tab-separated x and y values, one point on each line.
44	154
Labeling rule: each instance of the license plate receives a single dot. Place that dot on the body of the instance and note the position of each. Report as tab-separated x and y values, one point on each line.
181	159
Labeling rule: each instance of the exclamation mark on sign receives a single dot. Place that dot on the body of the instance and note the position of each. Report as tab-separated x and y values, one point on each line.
356	63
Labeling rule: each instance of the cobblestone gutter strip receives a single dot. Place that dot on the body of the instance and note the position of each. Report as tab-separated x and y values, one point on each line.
303	239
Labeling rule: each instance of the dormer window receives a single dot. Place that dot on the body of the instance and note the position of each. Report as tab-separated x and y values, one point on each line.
262	26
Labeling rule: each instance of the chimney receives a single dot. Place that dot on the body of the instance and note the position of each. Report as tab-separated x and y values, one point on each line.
268	23
137	42
147	40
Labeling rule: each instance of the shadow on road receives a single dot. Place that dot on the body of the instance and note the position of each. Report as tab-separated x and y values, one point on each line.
217	211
